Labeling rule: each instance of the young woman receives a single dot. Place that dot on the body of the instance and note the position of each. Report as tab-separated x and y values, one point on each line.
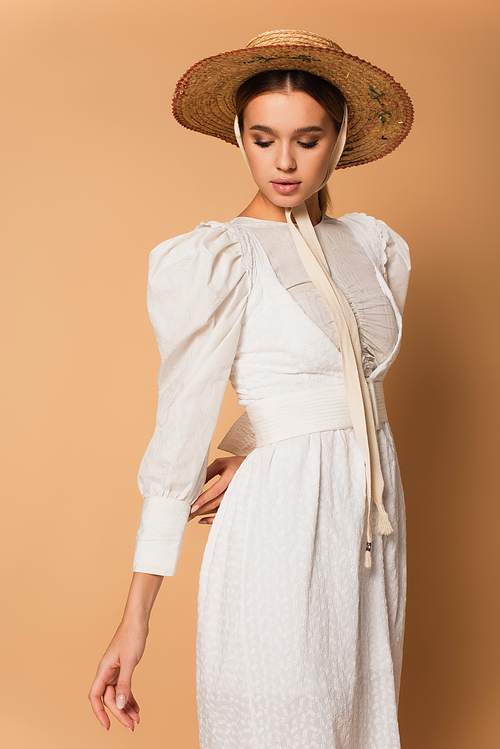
301	605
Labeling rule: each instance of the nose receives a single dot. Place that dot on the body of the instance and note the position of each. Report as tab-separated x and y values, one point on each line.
285	160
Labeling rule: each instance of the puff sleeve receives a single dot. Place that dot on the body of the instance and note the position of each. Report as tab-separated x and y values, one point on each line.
197	292
397	263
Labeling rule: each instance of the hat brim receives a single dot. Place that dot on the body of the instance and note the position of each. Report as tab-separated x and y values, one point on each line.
380	110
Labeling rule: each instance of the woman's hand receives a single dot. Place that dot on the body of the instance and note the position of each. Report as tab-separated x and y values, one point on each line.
210	499
112	684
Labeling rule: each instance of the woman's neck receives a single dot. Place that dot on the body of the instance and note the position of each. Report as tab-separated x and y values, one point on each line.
262	208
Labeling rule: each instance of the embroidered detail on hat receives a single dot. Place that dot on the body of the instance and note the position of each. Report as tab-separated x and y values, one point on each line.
260	58
378	96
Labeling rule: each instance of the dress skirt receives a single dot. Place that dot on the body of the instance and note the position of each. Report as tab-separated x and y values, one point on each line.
299	645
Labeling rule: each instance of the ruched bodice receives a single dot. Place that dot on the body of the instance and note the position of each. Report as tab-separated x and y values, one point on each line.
353	272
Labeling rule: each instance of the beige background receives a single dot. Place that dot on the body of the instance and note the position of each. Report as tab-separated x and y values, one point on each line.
95	173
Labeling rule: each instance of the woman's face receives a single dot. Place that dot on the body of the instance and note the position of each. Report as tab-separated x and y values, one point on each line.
288	139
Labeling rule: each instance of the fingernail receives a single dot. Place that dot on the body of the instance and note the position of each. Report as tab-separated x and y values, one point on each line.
196	507
130	729
120	701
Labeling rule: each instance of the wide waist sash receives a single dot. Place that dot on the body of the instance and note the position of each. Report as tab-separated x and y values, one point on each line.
300	412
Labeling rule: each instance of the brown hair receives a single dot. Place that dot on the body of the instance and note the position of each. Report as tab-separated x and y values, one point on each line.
279	81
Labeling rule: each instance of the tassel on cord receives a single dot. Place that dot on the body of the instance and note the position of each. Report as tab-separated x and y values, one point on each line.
384	526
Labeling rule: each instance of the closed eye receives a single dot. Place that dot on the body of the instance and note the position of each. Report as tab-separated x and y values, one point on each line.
267	143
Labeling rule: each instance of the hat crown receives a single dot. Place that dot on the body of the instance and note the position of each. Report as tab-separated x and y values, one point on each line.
292	36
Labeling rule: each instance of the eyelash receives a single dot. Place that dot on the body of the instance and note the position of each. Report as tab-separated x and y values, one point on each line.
267	143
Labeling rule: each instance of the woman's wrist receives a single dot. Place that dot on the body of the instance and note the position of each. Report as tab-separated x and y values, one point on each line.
142	595
136	619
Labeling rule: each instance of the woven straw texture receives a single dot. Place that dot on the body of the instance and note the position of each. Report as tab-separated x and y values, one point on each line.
380	110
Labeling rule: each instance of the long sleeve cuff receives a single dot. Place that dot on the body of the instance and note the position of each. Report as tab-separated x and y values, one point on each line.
158	544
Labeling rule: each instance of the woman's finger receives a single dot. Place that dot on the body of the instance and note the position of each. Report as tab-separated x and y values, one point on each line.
211	506
132	713
214	494
96	696
133	703
124	684
217	487
132	709
120	714
207	507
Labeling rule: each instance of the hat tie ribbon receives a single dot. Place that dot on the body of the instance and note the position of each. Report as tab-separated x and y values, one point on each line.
357	391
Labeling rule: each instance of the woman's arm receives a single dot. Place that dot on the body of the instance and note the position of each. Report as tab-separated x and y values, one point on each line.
112	684
198	287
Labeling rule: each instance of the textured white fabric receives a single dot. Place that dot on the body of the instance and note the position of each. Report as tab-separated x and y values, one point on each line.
197	295
299	645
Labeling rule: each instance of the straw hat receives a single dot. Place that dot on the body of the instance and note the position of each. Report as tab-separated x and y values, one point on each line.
380	110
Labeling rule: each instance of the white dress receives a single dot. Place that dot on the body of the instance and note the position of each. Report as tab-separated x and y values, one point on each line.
299	645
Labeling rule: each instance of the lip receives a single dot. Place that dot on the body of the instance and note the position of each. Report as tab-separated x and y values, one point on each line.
285	186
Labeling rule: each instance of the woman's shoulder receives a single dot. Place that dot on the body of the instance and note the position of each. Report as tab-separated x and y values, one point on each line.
212	247
381	241
207	234
366	222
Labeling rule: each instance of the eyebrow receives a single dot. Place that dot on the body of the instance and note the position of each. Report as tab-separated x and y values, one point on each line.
298	131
